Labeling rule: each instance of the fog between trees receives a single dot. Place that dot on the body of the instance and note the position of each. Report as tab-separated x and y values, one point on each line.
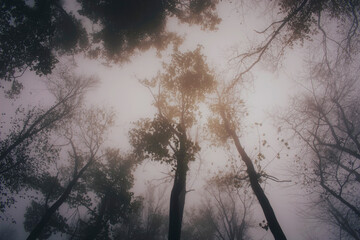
145	119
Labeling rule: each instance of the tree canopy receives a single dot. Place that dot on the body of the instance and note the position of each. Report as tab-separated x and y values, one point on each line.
57	157
183	86
33	36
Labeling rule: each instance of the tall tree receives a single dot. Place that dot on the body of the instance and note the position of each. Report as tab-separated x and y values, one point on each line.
224	125
325	118
85	136
180	90
110	182
26	149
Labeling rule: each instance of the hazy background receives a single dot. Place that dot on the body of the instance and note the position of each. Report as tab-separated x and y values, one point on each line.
269	92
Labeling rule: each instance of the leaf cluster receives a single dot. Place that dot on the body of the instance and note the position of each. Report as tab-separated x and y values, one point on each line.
185	83
127	26
108	183
159	140
234	110
34	34
303	24
150	139
112	179
29	35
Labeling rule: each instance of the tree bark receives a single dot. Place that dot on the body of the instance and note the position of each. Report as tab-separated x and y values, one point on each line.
254	182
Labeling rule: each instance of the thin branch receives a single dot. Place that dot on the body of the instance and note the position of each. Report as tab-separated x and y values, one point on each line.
262	49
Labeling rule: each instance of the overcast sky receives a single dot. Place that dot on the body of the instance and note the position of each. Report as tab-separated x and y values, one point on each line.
119	89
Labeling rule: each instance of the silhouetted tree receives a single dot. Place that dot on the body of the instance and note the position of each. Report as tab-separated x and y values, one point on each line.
224	126
110	181
26	149
301	21
85	136
225	212
154	218
165	138
326	120
57	223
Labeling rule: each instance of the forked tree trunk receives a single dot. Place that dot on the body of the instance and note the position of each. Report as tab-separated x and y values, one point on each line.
254	182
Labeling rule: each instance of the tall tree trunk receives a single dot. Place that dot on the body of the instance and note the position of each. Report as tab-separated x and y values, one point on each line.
254	182
35	233
177	198
177	202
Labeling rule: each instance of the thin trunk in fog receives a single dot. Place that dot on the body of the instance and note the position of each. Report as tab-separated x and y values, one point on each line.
177	198
35	233
254	182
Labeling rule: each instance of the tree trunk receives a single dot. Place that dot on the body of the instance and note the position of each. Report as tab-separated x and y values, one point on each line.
177	202
177	198
254	182
35	233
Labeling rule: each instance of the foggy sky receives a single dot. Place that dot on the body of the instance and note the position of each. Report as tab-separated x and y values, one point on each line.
270	91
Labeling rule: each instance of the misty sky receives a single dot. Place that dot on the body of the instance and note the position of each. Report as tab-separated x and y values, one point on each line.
268	91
